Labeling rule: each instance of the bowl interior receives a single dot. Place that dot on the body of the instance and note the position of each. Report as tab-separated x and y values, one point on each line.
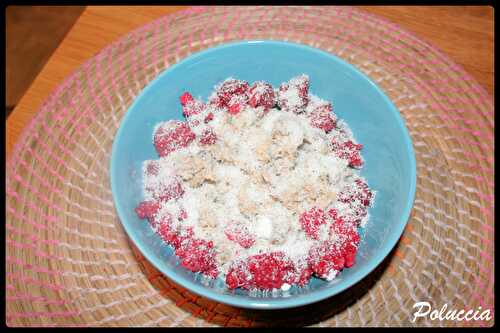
389	158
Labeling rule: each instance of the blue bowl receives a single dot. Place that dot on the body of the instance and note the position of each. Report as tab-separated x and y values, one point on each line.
389	158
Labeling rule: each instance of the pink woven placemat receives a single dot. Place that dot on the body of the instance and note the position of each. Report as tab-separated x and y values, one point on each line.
69	263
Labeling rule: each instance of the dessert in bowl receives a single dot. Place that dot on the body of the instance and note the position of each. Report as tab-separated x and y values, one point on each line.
306	125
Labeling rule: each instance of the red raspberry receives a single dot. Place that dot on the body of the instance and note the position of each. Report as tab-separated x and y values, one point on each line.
173	191
262	94
311	221
360	193
212	273
324	258
358	199
350	151
351	241
334	216
197	255
185	98
349	251
215	102
227	90
171	236
339	223
192	108
164	229
263	271
172	135
235	108
366	195
209	118
208	137
302	83
271	270
152	168
305	276
355	214
169	191
293	95
237	277
346	233
147	209
239	234
323	118
337	253
237	103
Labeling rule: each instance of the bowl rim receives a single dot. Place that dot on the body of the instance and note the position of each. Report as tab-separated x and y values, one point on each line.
276	303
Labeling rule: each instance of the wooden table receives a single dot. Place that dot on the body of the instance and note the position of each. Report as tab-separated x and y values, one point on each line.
464	33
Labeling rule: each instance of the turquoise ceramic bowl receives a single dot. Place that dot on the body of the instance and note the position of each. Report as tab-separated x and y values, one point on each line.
389	158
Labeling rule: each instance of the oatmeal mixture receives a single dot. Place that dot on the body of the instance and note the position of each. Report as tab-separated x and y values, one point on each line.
259	186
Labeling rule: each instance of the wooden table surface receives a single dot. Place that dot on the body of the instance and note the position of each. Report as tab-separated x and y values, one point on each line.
463	33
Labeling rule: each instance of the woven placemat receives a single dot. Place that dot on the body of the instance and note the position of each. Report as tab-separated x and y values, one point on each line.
69	262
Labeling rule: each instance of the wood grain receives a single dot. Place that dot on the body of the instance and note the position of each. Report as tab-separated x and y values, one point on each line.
32	33
463	33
